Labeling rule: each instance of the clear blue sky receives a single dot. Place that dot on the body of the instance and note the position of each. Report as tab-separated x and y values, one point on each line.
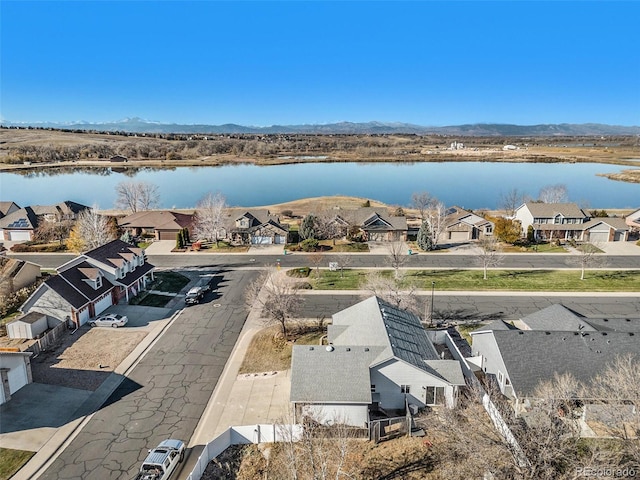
263	63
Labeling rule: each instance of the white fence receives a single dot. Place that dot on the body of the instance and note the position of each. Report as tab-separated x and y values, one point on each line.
243	435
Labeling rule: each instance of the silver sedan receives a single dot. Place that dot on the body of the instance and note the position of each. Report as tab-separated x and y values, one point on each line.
110	320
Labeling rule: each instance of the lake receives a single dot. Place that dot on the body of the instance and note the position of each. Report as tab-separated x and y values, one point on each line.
473	185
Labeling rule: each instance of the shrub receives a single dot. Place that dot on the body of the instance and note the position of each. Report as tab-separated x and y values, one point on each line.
302	286
366	204
309	245
287	213
299	272
30	247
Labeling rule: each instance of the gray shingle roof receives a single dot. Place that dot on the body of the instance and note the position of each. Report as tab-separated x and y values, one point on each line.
157	219
534	356
496	325
615	324
113	249
338	376
556	317
23	219
31	317
549	210
77	275
449	370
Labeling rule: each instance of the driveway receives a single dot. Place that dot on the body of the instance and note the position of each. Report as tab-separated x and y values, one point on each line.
29	421
620	248
140	316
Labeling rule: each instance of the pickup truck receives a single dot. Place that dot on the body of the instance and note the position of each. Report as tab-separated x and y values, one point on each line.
162	461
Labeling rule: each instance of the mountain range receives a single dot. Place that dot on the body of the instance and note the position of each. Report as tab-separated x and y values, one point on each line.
138	125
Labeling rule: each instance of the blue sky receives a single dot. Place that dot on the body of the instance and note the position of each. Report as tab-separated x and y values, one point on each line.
263	63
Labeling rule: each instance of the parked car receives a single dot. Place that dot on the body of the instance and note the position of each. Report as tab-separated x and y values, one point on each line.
110	320
162	460
194	296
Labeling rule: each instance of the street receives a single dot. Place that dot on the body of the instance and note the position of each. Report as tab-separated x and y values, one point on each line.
166	393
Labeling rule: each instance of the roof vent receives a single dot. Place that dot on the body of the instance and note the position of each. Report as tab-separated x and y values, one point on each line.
627	319
547	333
576	333
631	334
604	334
310	348
521	332
366	349
348	349
605	319
329	348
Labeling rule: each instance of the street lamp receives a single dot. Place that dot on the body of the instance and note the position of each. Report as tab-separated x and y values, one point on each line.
433	286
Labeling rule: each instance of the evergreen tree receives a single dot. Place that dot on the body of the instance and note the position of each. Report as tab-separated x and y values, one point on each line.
179	241
425	240
308	227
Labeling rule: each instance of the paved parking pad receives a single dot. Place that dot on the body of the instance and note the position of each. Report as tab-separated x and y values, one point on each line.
35	412
141	316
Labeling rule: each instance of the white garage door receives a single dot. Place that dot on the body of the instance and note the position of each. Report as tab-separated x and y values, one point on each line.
281	239
17	378
83	316
261	240
459	236
19	235
599	236
104	303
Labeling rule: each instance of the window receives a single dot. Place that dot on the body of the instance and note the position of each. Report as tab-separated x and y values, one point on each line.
405	389
98	282
373	388
500	377
489	229
434	396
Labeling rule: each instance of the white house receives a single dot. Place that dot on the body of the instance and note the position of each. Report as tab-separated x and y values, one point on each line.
379	359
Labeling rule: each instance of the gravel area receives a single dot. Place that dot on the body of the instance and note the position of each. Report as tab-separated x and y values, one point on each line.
84	360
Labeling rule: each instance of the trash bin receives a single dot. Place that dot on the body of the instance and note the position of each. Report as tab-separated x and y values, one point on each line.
410	252
285	251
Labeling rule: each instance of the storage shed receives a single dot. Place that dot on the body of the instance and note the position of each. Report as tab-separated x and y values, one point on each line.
30	325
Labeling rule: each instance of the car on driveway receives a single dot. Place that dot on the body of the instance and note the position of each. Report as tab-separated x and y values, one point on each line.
110	320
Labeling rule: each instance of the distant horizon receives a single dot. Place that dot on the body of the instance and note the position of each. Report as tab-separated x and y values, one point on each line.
263	63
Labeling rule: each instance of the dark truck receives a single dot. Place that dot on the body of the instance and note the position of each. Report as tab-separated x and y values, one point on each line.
162	460
194	295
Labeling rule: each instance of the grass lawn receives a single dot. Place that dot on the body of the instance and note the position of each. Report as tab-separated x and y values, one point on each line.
540	248
143	245
269	352
8	318
516	280
11	461
466	329
151	300
223	246
171	282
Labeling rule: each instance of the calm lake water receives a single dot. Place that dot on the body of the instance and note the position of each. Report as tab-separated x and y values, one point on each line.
472	185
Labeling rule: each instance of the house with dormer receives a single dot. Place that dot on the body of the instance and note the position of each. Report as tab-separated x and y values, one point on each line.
463	226
90	283
552	221
258	227
379	359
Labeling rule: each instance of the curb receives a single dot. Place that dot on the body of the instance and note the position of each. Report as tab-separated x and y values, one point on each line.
65	434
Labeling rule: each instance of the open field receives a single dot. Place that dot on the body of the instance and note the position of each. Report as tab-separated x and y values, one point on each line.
59	149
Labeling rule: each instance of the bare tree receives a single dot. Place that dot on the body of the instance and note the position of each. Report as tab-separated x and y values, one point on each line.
316	260
210	216
437	218
91	230
400	292
490	255
554	194
586	257
421	202
396	256
137	196
50	231
343	261
510	201
277	298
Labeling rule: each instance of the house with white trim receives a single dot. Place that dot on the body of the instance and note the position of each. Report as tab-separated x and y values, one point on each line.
90	283
379	359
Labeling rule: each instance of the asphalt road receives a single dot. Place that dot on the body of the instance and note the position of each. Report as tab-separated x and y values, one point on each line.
436	260
166	393
489	307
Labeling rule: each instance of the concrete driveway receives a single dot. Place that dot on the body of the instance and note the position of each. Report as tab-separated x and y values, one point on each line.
620	248
140	316
35	412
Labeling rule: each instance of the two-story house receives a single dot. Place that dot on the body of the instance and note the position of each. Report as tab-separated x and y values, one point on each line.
552	221
258	227
90	283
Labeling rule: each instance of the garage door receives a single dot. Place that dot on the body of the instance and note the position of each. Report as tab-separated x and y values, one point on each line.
83	316
618	237
103	303
17	378
19	235
167	234
281	239
599	236
261	240
459	236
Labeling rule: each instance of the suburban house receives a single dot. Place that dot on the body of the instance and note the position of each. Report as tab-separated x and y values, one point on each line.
567	221
19	225
379	360
8	207
552	341
633	220
15	373
375	224
90	283
59	212
463	226
258	227
18	273
162	224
